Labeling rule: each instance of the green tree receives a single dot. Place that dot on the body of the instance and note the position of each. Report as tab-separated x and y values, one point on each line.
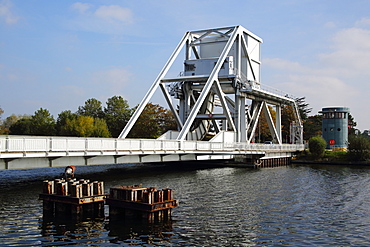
100	128
61	125
117	113
366	134
359	148
312	127
42	123
153	121
316	145
92	108
303	108
9	121
21	127
2	128
351	125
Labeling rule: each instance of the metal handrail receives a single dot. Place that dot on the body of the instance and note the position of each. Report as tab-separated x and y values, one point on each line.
29	144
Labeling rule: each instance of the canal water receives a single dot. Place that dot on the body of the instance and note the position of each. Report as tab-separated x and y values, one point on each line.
307	205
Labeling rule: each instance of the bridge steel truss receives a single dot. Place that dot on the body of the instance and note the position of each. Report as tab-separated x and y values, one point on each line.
216	101
219	89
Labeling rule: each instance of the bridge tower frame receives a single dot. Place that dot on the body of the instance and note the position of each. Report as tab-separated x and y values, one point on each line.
220	89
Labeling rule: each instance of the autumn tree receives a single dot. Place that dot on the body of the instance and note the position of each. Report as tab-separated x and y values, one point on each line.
153	121
288	116
263	132
100	128
85	126
116	113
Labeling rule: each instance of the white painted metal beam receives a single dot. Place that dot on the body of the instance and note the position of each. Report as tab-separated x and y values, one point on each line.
154	87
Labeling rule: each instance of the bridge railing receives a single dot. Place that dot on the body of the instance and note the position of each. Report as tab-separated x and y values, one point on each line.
26	144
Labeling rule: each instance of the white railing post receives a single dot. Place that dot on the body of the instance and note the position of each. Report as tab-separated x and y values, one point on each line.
7	144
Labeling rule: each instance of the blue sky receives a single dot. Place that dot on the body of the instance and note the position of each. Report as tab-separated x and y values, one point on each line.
57	54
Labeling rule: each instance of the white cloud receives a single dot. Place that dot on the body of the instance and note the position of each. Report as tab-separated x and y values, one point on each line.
105	19
351	52
81	7
339	77
364	22
6	13
114	13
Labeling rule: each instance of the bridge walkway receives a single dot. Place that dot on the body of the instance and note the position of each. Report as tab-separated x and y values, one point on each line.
24	152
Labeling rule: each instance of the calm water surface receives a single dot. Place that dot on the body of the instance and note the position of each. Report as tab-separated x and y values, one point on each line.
285	206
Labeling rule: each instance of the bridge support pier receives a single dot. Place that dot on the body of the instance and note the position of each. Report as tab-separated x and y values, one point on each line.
257	161
273	162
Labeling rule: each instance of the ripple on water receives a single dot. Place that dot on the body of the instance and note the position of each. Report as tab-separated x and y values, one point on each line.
296	206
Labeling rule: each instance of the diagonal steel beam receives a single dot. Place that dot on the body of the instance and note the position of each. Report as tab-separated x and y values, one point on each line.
169	103
247	54
270	123
256	114
221	96
154	87
207	87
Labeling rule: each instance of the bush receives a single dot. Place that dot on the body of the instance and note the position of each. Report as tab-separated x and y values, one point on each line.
317	145
359	148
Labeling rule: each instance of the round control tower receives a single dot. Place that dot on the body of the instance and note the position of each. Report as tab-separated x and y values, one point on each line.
335	127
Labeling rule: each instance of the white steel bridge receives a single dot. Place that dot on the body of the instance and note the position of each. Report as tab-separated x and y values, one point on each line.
217	101
23	152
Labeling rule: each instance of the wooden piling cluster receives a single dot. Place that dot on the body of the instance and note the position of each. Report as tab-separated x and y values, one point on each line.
73	197
273	162
141	202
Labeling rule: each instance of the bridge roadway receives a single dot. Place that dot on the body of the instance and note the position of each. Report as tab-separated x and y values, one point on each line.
24	152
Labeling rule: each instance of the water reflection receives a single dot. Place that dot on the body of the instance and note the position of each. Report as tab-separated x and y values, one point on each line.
58	231
139	232
295	206
64	231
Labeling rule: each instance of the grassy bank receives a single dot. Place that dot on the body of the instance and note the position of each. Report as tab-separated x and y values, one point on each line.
329	157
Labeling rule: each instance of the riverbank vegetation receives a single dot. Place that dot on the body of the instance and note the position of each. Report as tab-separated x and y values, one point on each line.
95	120
358	150
91	120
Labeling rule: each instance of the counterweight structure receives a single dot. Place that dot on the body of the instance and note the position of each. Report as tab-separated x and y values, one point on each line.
218	95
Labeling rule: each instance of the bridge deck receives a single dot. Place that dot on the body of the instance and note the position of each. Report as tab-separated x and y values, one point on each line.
21	152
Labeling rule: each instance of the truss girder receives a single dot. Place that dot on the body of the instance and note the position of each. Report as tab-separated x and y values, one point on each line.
198	95
207	87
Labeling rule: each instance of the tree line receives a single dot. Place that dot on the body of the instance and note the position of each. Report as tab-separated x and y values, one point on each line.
92	120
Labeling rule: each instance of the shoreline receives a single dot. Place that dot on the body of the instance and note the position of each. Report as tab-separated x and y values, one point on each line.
334	162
